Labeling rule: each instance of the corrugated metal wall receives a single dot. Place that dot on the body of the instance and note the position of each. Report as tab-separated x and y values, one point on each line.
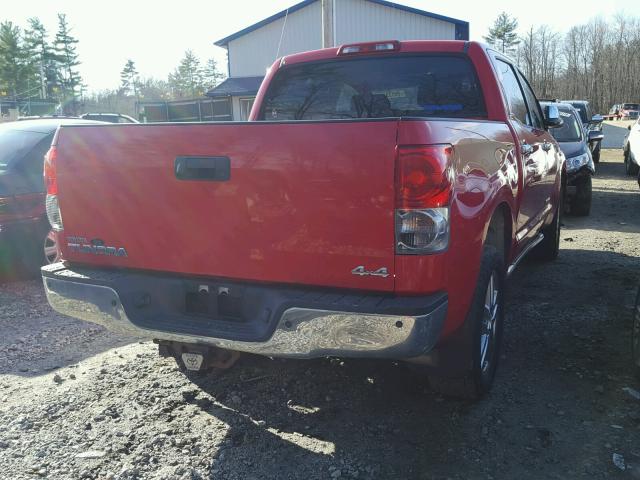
362	21
355	21
251	54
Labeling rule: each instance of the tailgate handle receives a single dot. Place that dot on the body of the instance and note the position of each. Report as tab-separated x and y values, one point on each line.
211	169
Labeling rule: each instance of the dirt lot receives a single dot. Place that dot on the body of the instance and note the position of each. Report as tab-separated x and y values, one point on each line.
78	402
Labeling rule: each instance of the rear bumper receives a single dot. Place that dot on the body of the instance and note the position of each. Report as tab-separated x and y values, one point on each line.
274	321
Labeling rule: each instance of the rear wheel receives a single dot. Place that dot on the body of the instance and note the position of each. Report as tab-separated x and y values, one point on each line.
581	202
51	252
635	338
596	153
484	323
630	167
549	247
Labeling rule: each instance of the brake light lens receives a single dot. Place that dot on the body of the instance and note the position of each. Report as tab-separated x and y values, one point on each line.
423	176
51	182
424	180
369	47
50	177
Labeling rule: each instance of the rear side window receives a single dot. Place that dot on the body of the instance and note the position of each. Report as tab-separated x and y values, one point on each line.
417	86
32	164
15	144
534	117
583	111
515	97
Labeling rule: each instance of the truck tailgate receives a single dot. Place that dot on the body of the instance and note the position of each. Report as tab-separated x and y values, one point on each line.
302	203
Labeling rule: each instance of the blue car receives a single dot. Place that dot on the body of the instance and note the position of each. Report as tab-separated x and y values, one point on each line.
574	141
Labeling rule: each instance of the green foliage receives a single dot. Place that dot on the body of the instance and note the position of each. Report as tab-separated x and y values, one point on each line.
67	61
187	79
32	64
43	58
129	80
211	75
13	64
503	33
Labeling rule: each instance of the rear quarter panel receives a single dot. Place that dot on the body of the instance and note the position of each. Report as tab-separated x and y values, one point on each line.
485	173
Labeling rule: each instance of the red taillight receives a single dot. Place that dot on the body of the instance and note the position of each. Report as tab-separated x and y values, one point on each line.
423	176
50	176
369	47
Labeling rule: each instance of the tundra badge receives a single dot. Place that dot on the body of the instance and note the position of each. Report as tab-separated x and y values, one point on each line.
381	272
95	247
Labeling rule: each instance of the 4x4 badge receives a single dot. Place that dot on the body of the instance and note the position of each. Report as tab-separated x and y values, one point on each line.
360	270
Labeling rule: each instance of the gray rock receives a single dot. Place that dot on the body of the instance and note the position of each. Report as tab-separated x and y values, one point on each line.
618	461
90	454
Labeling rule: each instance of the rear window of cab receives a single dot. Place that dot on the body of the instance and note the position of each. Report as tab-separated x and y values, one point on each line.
375	87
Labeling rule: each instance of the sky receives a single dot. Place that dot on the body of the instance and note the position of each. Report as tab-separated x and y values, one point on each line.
155	34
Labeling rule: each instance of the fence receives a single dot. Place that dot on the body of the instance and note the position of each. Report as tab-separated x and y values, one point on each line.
192	110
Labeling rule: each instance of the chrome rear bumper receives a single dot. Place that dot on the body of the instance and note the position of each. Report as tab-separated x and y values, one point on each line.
300	332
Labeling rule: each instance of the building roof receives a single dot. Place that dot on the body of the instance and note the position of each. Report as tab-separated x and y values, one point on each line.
225	41
236	86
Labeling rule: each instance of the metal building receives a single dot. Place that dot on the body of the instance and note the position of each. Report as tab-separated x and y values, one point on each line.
314	24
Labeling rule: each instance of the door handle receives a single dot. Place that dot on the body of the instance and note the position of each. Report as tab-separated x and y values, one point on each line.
211	169
526	148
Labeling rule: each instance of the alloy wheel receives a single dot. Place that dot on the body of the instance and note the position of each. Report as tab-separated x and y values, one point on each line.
51	253
489	323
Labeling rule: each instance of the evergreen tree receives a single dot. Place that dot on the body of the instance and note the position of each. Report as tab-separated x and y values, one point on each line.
211	75
187	80
41	57
12	60
129	81
503	33
67	59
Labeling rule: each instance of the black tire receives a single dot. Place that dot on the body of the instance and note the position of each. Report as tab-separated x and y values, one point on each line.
581	202
630	168
549	247
635	337
480	324
596	153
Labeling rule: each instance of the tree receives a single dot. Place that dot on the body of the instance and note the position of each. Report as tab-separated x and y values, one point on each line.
41	57
67	59
211	75
12	60
129	80
187	80
503	33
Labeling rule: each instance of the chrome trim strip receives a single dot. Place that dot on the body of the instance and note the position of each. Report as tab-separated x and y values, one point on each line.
524	252
300	333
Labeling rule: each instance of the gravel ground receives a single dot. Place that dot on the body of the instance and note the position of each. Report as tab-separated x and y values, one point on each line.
79	402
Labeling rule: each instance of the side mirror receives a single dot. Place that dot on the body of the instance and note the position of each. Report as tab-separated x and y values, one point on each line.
595	136
597	118
629	127
552	116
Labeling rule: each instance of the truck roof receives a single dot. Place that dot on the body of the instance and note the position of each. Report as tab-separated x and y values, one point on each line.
416	46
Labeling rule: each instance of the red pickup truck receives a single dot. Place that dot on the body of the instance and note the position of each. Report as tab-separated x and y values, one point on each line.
373	206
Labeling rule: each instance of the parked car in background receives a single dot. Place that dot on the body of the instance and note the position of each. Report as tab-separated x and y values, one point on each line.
109	117
373	206
590	122
625	111
574	143
631	150
26	240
